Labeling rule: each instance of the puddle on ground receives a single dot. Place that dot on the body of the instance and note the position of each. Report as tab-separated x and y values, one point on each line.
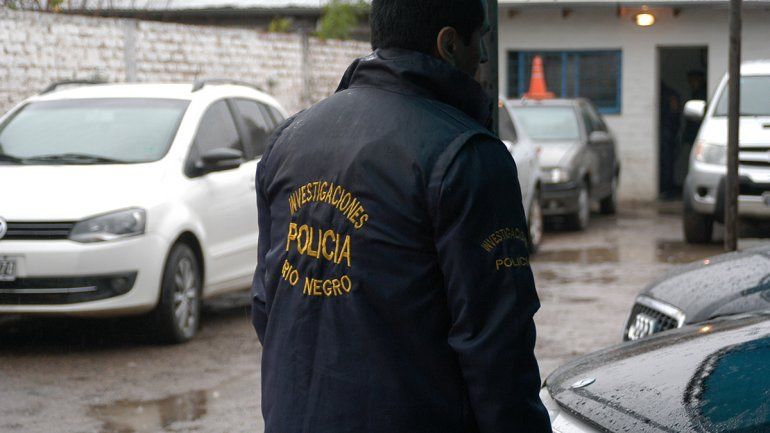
554	277
587	256
580	299
666	251
140	416
677	251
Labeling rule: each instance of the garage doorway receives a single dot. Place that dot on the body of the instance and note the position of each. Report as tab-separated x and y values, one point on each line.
682	76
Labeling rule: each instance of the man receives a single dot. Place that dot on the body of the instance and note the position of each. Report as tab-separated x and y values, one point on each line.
669	120
393	291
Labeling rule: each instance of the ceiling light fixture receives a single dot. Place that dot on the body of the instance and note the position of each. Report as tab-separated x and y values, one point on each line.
644	19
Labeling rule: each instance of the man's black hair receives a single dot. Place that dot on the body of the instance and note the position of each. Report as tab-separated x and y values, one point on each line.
414	24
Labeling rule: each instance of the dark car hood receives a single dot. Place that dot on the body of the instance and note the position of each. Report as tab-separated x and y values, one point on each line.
709	377
726	284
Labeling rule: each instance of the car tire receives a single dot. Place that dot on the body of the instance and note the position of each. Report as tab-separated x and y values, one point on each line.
698	228
609	204
535	222
579	220
177	316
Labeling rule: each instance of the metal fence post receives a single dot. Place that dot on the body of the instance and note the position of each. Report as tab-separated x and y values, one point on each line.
307	83
733	125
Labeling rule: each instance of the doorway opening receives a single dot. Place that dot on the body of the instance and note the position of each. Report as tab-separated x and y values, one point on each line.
682	76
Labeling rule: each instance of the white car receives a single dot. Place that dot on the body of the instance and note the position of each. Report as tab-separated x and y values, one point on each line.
525	154
131	199
704	189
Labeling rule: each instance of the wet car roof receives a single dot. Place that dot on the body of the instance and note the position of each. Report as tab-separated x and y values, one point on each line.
710	377
721	285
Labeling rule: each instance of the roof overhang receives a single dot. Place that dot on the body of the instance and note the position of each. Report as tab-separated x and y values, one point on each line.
542	4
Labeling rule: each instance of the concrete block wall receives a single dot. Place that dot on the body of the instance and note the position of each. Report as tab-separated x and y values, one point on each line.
38	48
328	60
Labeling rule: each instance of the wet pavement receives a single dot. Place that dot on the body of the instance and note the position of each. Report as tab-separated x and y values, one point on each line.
83	376
587	281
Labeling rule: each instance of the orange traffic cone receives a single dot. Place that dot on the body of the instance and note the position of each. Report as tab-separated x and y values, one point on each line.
537	88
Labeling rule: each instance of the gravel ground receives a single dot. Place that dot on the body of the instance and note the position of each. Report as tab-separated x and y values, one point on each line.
81	376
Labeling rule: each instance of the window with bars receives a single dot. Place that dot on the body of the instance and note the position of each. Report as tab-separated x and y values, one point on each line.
570	74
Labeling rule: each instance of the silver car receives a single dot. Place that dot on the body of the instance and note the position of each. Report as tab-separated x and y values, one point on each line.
704	188
578	159
524	153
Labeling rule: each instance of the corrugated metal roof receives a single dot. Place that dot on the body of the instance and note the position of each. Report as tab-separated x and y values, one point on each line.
192	5
179	5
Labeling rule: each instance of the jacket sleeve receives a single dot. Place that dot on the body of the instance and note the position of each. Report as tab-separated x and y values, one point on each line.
264	220
482	242
258	297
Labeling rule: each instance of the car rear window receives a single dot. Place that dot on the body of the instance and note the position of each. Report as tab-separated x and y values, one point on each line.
127	130
755	97
548	123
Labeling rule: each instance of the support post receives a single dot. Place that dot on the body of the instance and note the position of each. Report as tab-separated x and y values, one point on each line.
130	28
733	125
307	83
488	72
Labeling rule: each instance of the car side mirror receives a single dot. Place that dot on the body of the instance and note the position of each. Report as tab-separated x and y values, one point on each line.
219	159
695	109
599	137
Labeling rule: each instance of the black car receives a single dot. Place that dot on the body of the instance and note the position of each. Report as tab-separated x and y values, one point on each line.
723	285
710	377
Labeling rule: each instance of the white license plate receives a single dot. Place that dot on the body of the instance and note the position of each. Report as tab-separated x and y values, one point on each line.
7	269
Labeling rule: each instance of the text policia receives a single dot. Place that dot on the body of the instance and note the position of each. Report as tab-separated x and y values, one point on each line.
322	244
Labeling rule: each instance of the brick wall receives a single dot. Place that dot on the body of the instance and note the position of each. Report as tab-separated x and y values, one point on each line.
38	48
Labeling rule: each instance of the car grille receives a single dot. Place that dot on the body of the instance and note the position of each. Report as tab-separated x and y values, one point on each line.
19	230
748	187
645	321
64	290
755	157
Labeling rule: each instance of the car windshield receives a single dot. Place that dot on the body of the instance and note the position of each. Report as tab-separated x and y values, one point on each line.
91	131
755	97
552	123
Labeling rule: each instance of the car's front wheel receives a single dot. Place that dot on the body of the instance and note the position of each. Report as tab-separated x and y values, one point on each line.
535	222
698	228
579	220
177	316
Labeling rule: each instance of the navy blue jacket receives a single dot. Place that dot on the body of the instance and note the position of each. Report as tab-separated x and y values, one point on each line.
393	291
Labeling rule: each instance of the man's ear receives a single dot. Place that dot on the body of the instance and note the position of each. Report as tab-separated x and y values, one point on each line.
446	44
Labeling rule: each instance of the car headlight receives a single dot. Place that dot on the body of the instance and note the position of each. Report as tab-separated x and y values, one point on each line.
555	175
550	405
710	153
562	421
115	225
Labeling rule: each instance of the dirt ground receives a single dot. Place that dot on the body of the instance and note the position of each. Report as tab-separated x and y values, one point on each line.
94	376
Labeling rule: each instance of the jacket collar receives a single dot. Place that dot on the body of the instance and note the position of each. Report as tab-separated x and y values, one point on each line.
415	73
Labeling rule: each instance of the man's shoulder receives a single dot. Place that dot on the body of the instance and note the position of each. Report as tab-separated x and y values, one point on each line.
436	117
422	128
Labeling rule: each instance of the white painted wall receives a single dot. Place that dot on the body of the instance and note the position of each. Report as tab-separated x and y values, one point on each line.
636	126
